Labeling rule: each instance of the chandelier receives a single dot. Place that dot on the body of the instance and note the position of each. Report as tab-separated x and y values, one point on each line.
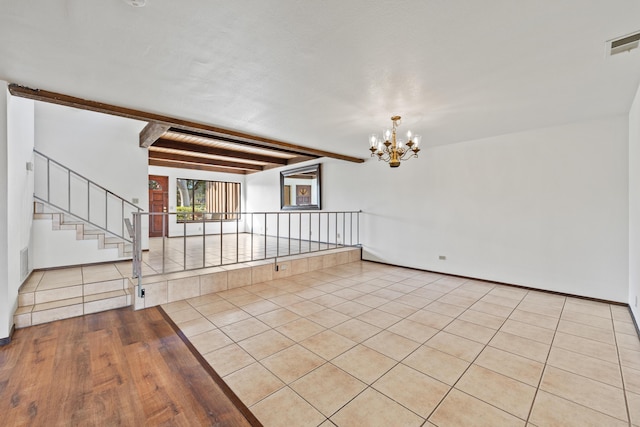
391	149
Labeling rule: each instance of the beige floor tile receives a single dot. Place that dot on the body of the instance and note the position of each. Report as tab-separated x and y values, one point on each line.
586	319
526	330
427	293
629	358
491	308
439	365
328	344
371	300
550	410
431	318
475	413
586	346
458	300
348	294
624	328
454	345
328	318
414	300
292	363
253	383
471	331
379	318
300	329
210	341
586	331
631	379
356	330
501	301
196	326
244	329
265	344
586	366
442	307
521	346
631	342
490	387
260	307
592	308
508	292
228	317
364	363
329	300
278	317
305	308
228	359
584	391
203	299
285	408
412	389
633	401
286	300
392	345
517	367
413	330
218	306
482	319
540	320
398	309
173	307
351	308
373	409
328	388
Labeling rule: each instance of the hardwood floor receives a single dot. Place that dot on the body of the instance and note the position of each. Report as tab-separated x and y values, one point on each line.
119	367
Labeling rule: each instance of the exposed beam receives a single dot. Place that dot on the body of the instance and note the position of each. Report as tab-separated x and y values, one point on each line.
202	160
205	149
239	141
180	165
71	101
151	132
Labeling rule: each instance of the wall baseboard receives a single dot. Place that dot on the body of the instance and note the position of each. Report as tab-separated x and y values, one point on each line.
7	340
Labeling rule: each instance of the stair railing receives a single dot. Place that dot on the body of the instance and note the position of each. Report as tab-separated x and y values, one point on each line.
210	240
80	197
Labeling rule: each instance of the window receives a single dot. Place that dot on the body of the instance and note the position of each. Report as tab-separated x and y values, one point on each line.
208	200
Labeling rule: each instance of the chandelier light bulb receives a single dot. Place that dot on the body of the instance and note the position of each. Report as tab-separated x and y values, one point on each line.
373	140
409	135
416	140
387	134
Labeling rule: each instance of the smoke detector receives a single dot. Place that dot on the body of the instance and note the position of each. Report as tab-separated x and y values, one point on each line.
136	3
623	44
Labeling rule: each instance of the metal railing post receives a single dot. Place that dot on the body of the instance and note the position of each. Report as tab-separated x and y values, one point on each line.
237	238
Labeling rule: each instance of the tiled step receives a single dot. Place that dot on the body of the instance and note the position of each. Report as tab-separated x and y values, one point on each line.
61	298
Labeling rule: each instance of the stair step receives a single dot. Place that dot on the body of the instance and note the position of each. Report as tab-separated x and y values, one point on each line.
63	309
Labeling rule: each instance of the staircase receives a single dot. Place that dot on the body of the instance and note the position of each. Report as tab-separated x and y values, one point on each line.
83	230
50	295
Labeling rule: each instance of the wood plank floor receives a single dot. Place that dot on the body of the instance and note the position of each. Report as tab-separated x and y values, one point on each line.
120	367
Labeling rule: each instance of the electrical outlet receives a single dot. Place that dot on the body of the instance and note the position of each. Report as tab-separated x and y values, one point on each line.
442	257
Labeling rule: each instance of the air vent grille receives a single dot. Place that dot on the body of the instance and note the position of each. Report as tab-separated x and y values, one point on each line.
624	44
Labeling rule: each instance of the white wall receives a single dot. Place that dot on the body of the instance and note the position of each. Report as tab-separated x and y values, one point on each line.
546	208
634	206
6	305
100	147
179	229
16	188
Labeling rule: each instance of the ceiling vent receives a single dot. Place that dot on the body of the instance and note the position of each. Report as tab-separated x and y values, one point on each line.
623	44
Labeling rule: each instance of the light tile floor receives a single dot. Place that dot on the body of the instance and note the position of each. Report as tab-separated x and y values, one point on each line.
365	344
177	253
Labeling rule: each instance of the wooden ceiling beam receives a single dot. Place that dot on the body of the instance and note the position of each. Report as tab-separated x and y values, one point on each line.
202	160
71	101
200	167
217	151
151	132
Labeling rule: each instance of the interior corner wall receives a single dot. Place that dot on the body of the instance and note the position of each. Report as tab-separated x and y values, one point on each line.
6	314
545	208
634	206
101	147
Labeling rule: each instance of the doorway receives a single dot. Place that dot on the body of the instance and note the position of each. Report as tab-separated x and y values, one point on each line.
158	202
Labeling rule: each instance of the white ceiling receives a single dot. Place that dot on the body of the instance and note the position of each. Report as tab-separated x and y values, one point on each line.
326	73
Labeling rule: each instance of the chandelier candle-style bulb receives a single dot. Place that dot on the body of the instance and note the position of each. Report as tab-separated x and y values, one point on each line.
391	149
